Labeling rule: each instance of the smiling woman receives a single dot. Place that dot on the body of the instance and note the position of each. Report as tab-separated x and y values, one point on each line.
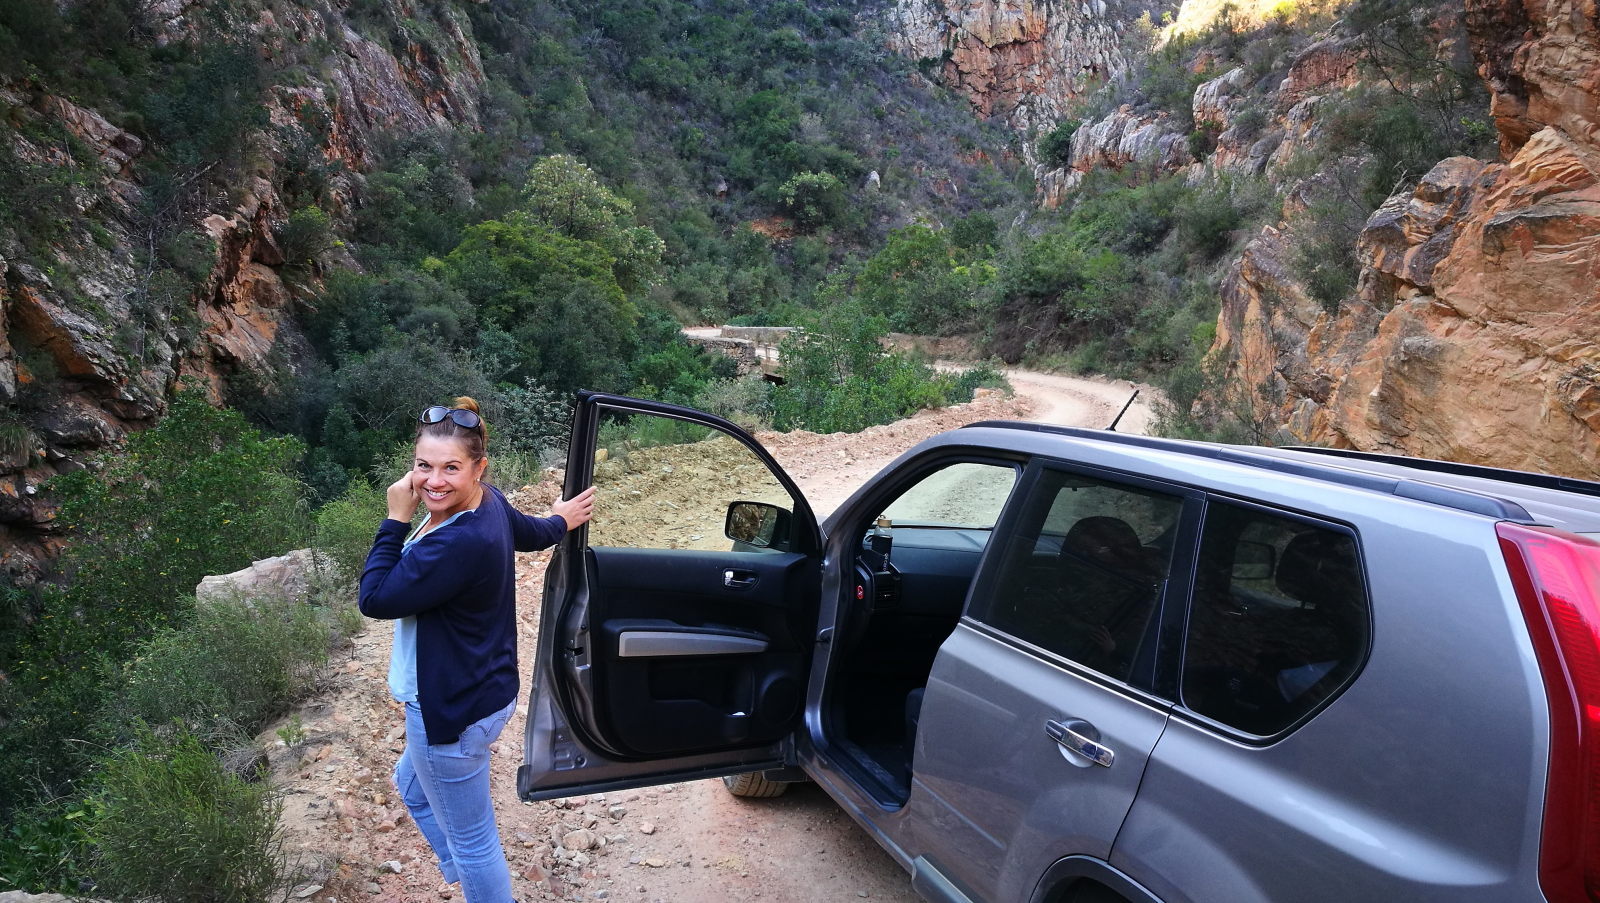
449	587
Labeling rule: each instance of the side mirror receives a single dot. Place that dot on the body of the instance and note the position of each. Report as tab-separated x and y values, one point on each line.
757	525
1254	560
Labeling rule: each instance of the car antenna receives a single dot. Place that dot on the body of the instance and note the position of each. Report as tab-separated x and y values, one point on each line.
1113	427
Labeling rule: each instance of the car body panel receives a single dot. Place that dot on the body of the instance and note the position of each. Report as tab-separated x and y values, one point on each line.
997	799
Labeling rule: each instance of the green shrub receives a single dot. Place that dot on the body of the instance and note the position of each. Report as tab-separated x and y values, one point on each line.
814	199
43	849
746	401
200	493
345	527
838	378
173	824
307	234
1055	148
235	666
984	375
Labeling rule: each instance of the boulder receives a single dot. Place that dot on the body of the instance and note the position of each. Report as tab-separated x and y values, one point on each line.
287	577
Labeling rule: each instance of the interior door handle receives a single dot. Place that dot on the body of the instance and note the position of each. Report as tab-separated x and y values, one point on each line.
734	578
1068	735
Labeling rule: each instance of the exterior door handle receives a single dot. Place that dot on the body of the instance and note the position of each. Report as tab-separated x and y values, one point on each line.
733	578
1073	736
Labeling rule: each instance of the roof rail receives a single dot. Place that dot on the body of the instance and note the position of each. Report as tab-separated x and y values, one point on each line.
1432	493
1503	475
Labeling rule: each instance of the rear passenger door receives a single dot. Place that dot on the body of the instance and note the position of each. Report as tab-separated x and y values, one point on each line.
1252	777
1043	705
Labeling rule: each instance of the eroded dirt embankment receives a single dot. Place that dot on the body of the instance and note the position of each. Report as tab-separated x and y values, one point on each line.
688	841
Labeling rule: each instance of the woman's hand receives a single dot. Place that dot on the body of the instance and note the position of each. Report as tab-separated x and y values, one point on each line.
577	510
403	498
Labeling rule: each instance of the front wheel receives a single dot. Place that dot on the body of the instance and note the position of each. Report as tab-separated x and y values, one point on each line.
753	786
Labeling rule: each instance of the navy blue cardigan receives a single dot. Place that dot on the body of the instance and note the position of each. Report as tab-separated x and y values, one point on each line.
459	582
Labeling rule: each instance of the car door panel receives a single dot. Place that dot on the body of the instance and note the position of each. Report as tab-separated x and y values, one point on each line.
666	664
691	663
1036	725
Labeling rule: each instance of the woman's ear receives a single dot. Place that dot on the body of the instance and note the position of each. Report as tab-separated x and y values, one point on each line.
483	467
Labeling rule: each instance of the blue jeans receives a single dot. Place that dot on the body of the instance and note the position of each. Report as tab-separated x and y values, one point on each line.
446	788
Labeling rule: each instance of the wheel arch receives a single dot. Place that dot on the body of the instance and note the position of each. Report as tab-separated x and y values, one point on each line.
1084	879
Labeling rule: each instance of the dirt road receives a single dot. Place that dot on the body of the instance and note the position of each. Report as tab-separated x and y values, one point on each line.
688	841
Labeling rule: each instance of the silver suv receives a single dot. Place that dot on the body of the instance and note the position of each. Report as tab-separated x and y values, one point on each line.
1052	664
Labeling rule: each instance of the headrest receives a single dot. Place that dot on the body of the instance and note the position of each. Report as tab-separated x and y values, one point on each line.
1319	568
1107	541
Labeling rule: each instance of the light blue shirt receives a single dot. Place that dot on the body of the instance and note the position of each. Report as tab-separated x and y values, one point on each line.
403	655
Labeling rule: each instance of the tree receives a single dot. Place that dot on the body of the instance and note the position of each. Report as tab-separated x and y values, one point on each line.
557	297
564	195
1055	148
918	282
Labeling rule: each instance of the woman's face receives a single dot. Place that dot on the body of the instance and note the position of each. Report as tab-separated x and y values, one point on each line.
445	476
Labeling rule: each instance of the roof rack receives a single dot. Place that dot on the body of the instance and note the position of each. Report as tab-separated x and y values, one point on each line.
1519	477
1433	493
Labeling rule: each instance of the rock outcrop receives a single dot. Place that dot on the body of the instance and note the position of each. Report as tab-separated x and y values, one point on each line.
1475	335
1121	139
1024	61
289	576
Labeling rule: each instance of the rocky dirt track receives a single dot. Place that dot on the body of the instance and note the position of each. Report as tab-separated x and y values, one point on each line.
690	841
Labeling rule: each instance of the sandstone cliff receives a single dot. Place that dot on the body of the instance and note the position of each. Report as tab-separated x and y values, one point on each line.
92	342
1475	333
1024	61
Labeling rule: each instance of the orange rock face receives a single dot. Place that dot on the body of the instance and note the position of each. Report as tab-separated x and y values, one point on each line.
1476	334
1025	61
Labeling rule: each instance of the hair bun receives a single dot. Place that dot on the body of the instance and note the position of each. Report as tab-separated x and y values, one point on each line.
468	403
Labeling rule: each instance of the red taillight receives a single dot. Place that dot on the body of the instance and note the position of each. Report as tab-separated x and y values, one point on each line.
1557	579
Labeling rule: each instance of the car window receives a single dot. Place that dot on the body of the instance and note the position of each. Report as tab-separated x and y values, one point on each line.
967	495
663	483
1279	618
1084	571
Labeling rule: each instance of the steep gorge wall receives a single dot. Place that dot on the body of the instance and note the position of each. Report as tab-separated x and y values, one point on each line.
112	349
1475	333
1024	61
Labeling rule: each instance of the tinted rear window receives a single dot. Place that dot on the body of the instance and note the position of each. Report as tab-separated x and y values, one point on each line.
1279	619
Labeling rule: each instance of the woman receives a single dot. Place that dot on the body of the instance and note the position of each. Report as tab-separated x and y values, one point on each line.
450	588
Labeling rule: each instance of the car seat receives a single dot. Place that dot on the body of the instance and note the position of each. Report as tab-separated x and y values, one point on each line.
1314	646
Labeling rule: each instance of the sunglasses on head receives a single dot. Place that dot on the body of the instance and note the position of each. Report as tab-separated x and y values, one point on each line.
459	416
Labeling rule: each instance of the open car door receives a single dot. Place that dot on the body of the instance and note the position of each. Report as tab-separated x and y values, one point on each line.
677	626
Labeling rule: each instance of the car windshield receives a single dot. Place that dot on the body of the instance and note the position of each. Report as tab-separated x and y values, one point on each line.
963	496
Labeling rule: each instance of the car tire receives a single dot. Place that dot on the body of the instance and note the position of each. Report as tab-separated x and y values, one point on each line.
753	786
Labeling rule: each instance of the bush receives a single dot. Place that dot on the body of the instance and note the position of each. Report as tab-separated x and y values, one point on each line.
746	401
44	849
814	199
200	493
1055	148
237	665
307	234
172	824
838	378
